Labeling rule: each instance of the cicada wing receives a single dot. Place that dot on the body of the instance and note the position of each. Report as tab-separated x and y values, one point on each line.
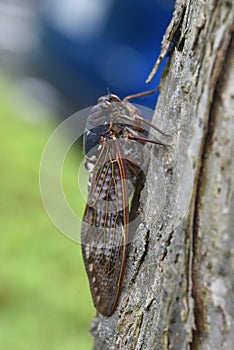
105	229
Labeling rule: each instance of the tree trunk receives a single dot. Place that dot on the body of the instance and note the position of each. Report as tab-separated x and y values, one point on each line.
178	290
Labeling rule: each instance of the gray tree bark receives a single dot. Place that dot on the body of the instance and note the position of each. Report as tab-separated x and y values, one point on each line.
178	290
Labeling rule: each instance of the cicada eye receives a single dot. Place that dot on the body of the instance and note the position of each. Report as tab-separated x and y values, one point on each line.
114	98
103	100
106	100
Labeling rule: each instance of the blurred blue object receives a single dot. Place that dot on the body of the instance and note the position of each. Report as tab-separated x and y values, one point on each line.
88	46
64	54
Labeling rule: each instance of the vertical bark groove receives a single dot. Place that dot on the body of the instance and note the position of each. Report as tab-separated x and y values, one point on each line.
199	293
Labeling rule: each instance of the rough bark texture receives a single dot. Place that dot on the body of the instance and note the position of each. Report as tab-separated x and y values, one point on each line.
179	284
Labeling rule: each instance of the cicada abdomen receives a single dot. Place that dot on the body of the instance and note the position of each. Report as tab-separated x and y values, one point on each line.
113	130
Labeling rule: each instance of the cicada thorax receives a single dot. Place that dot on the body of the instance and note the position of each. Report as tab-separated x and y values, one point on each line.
113	119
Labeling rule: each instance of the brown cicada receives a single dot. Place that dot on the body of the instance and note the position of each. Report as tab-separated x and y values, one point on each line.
114	129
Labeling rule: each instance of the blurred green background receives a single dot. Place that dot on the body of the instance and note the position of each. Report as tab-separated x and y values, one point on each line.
45	301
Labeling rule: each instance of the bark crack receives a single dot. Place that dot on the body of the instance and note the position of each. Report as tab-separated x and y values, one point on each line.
142	258
198	291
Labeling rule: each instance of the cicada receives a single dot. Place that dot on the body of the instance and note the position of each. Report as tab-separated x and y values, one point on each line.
113	132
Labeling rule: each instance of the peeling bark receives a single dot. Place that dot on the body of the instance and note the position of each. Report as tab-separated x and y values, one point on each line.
179	284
